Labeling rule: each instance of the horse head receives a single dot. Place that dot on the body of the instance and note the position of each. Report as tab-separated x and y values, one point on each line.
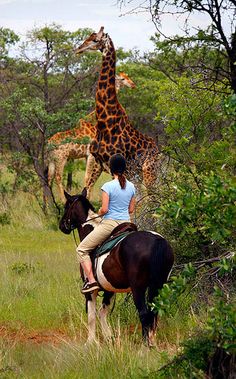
75	211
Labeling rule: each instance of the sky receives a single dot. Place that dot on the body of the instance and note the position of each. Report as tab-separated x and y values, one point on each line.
128	31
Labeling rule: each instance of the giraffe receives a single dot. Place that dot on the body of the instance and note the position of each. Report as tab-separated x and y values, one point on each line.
74	144
114	132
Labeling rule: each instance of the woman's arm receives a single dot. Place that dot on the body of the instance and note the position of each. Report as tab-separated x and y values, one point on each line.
105	202
132	205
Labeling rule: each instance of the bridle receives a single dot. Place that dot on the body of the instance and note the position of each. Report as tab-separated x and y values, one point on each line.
67	221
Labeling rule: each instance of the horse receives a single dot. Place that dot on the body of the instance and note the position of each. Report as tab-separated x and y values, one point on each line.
141	263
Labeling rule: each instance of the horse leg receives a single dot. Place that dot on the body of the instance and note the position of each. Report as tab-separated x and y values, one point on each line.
146	316
103	312
91	308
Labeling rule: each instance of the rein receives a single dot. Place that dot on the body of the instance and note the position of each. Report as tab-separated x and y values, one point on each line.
68	221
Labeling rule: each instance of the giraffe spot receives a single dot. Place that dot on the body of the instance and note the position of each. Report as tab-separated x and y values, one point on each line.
106	157
101	150
103	115
99	108
116	130
111	110
101	126
111	93
103	77
112	80
110	122
102	102
101	85
111	101
113	139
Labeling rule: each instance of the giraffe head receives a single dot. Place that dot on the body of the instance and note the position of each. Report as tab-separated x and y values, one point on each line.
96	41
123	80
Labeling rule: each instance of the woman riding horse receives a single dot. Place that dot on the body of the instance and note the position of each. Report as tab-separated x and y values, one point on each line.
140	263
118	203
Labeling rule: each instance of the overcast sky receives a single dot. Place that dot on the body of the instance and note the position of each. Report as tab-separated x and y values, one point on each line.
130	31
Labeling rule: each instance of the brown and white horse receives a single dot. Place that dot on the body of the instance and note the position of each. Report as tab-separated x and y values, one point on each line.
140	263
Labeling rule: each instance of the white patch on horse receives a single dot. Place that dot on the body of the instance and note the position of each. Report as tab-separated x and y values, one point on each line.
106	330
92	318
91	220
101	276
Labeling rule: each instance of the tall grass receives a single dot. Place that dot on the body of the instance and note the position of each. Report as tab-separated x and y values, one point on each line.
42	313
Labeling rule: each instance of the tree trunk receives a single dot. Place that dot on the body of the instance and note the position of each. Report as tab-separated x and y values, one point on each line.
232	63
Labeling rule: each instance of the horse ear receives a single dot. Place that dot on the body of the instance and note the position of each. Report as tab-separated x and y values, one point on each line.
84	192
67	195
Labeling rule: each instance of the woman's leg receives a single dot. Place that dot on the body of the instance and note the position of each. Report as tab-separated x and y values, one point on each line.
89	243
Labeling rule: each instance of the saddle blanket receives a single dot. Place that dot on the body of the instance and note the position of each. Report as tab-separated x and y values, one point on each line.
109	244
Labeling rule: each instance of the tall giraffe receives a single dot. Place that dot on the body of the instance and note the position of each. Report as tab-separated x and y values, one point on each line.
115	134
70	144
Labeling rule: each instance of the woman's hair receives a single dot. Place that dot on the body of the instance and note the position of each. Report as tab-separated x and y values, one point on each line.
117	167
122	180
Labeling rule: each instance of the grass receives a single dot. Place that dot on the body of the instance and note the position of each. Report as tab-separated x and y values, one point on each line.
73	360
42	314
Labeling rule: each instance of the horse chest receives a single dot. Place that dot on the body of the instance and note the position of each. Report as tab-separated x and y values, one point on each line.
109	275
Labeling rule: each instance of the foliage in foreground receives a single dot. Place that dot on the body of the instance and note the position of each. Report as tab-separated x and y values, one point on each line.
210	350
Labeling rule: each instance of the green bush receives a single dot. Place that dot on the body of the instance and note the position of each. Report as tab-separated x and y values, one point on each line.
5	219
210	350
201	216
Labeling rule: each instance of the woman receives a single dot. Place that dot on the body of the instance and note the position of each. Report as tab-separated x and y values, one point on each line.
118	202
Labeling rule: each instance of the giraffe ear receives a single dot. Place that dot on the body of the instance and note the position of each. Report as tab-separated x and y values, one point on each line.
100	33
84	192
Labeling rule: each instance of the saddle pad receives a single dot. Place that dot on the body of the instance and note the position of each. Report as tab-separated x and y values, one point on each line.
108	245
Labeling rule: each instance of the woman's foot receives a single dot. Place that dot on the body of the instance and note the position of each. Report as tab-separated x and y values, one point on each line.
89	287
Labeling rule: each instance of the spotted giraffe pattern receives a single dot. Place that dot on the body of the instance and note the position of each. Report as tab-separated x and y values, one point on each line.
70	144
115	134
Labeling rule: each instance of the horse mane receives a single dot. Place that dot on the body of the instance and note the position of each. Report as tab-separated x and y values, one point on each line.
85	202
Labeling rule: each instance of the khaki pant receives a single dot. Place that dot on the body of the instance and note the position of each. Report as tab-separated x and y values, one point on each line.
95	238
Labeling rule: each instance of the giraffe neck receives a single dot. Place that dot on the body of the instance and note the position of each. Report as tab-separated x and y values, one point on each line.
106	89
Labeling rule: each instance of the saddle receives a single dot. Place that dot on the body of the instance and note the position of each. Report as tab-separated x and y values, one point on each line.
118	233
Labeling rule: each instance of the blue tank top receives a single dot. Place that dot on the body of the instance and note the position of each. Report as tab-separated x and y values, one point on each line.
119	199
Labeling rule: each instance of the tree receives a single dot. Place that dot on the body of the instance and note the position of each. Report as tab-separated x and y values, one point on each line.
219	36
48	90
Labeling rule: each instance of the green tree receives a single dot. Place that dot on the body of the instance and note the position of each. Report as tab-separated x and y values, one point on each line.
219	36
49	90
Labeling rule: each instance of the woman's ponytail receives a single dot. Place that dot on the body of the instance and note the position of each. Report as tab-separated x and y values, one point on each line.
118	167
122	180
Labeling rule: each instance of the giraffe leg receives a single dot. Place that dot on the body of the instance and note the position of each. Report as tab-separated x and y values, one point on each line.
149	169
92	173
59	168
51	172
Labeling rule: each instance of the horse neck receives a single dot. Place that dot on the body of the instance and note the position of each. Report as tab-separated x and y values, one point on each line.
88	225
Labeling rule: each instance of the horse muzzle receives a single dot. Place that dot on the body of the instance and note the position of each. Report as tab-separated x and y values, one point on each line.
65	227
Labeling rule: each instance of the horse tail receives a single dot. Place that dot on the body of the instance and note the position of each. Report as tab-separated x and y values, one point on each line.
162	259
